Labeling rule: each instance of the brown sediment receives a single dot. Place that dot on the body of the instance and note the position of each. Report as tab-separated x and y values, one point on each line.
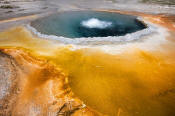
37	88
41	88
135	82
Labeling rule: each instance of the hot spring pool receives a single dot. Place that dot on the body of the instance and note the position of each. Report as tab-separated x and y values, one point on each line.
79	24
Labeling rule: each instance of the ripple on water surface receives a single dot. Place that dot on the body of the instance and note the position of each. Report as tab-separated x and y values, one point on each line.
78	24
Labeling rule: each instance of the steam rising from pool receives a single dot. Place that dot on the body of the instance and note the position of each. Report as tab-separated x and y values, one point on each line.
96	23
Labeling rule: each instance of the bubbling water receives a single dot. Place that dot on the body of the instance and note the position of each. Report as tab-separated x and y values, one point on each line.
96	23
88	24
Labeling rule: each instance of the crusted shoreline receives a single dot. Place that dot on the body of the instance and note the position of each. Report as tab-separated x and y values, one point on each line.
26	75
30	85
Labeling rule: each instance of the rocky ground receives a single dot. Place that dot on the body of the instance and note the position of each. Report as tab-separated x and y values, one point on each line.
16	8
19	8
17	69
24	79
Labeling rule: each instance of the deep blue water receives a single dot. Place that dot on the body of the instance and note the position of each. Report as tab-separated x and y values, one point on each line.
77	24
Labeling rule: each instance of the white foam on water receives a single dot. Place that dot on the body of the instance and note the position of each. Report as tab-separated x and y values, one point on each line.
151	28
96	23
149	39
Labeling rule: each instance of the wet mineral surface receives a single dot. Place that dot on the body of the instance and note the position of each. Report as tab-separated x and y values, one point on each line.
45	77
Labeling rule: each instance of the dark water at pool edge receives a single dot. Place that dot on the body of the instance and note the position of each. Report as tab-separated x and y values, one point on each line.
68	24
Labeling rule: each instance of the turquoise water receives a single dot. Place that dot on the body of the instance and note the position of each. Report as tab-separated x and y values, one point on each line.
77	24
